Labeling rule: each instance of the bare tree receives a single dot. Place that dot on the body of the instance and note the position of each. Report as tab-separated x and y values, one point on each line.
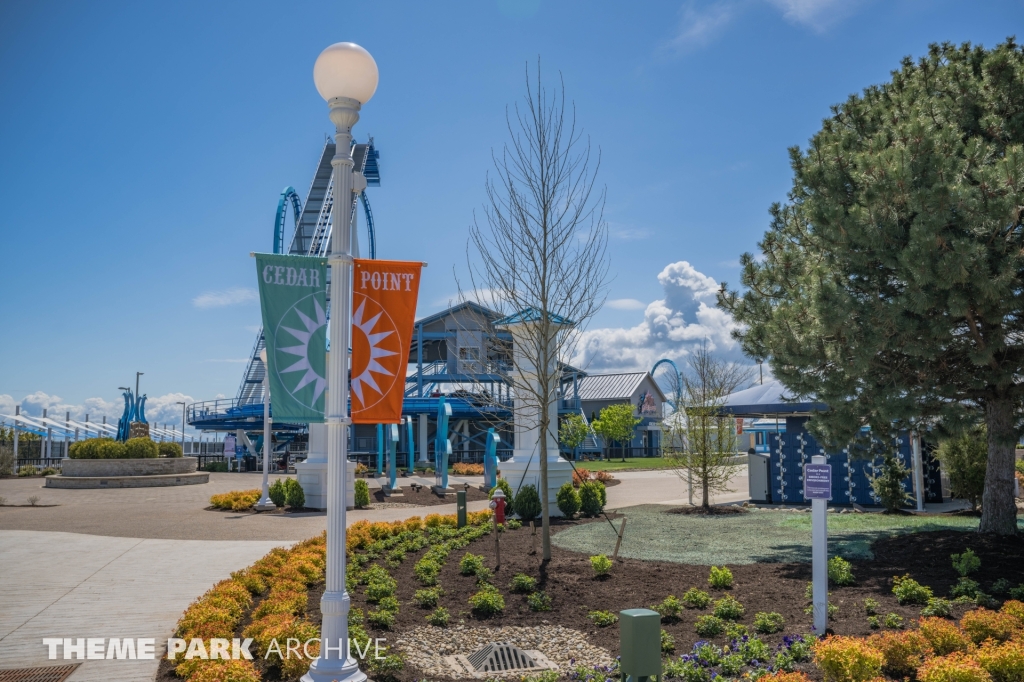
542	252
702	440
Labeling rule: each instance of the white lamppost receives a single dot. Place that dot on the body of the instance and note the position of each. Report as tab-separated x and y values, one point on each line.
265	503
346	76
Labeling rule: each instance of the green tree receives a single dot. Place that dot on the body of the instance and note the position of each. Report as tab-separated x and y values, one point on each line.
890	283
617	423
573	431
963	458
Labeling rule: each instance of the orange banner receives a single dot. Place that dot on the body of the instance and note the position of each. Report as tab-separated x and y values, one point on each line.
383	314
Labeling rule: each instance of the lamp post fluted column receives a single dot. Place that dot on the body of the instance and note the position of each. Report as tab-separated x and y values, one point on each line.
334	662
265	503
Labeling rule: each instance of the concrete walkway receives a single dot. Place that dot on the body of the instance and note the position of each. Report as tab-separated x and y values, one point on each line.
70	585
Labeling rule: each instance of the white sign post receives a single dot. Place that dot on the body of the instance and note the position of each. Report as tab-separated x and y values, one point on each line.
818	489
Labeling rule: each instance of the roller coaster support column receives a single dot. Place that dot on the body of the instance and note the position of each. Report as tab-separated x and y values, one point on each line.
442	447
265	503
346	76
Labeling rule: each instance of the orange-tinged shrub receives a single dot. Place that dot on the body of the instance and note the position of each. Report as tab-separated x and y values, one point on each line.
783	676
580	476
432	521
478	518
293	602
225	671
847	659
904	651
603	476
466	469
1014	608
206	621
982	624
1004	662
236	500
943	636
250	580
414	523
957	667
262	630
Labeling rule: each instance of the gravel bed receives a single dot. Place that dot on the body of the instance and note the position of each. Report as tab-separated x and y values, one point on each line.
426	647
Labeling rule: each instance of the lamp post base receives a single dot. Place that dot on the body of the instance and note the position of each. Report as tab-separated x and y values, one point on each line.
266	504
334	671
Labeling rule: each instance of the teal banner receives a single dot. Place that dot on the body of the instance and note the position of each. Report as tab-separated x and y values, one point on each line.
293	298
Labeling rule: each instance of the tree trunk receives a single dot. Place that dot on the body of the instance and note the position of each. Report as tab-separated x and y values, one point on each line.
998	507
704	489
545	518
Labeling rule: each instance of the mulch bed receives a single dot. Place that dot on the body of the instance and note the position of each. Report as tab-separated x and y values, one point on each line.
426	497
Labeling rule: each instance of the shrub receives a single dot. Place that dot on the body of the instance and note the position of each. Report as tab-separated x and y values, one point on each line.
385	668
568	500
170	450
522	583
909	591
27	470
603	619
528	503
383	619
487	602
736	631
965	587
86	449
669	608
603	476
904	652
471	564
215	466
111	449
361	468
601	565
874	623
840	572
696	599
379	588
668	643
48	471
953	668
1004	662
888	485
1001	586
720	578
982	624
943	637
768	622
428	598
937	606
593	497
580	476
1015	609
893	621
513	524
439	617
466	469
225	671
293	494
538	601
277	493
709	626
361	494
753	649
847	659
964	459
140	448
236	500
505	488
727	608
965	563
783	676
870	606
426	570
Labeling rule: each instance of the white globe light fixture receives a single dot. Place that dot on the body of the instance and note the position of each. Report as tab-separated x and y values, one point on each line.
346	76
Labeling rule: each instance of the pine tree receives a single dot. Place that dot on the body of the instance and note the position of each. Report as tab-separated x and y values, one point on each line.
891	282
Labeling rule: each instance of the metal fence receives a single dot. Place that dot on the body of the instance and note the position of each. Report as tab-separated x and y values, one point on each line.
39	462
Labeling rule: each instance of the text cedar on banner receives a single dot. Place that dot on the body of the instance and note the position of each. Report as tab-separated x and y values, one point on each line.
293	298
384	310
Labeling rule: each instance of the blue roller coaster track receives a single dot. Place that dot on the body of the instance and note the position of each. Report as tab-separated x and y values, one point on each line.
288	193
677	387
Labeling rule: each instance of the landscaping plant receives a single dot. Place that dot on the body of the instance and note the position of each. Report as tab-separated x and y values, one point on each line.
277	493
840	572
937	606
527	504
361	497
471	564
696	599
982	624
720	578
870	606
965	563
522	583
140	448
909	591
428	598
293	494
236	500
539	601
170	449
956	667
568	500
847	659
709	626
592	498
506	488
668	643
487	602
439	617
943	636
603	619
727	608
903	652
964	458
893	621
768	623
601	565
888	485
669	609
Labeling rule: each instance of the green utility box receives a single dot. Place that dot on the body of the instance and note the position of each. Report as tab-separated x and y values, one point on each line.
640	644
460	508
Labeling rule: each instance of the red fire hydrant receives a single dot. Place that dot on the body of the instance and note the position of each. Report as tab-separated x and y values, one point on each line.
498	505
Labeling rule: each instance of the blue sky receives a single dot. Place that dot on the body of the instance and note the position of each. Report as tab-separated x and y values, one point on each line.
144	146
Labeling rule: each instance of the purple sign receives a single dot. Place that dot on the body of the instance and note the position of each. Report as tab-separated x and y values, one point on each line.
817	481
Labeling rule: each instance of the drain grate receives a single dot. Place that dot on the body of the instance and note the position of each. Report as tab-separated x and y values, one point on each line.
53	673
499	657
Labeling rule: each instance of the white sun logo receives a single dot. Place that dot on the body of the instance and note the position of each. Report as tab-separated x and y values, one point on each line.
365	377
302	351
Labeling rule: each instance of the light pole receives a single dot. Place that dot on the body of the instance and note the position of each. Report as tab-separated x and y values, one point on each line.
265	503
346	76
137	375
182	403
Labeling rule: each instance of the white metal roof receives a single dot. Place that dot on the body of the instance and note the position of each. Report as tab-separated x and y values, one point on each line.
613	386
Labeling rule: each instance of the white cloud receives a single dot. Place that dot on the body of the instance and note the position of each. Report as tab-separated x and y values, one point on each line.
671	328
629	233
225	297
159	410
699	26
816	14
626	304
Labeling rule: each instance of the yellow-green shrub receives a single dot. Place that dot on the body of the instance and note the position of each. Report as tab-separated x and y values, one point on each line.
982	624
1014	608
783	676
904	652
224	671
1004	662
847	659
956	667
943	636
236	500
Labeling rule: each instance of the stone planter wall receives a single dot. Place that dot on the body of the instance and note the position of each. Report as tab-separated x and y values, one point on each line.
155	466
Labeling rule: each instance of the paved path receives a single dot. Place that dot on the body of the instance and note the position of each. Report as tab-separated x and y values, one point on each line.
73	585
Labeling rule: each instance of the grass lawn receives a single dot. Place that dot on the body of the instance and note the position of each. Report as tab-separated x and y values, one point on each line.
619	465
743	538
